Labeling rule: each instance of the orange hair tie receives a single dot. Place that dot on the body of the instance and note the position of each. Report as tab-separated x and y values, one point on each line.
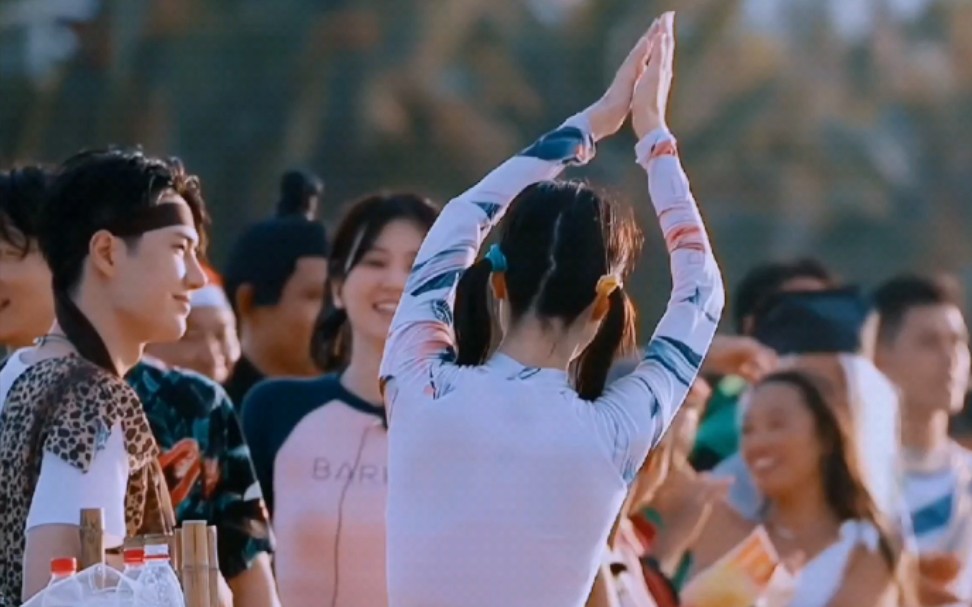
499	284
606	285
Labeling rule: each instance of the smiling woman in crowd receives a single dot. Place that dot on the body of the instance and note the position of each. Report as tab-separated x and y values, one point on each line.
320	446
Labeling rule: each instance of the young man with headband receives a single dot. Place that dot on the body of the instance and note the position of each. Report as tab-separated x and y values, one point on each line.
119	232
183	408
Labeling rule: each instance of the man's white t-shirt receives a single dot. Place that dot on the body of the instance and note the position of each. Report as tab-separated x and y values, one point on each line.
62	490
938	502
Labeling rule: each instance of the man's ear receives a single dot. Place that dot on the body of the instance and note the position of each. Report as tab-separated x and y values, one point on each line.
244	300
882	355
336	287
748	325
869	337
104	251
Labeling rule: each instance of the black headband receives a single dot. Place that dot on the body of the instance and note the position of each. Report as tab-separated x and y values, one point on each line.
153	218
78	329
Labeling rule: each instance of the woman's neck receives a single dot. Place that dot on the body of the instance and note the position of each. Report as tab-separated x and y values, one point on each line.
361	375
533	345
802	510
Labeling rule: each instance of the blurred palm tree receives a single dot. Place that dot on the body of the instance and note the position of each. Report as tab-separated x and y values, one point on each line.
799	137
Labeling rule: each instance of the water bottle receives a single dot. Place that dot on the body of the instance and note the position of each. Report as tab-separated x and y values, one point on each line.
158	584
62	590
62	569
127	587
134	563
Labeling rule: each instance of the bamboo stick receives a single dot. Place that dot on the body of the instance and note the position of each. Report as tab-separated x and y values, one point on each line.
195	564
213	563
175	548
92	537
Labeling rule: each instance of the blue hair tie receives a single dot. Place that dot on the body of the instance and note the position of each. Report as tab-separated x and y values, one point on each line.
496	258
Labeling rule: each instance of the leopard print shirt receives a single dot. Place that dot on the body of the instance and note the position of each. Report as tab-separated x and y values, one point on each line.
67	407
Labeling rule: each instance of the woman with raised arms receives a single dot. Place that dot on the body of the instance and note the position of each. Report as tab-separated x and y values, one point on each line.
507	469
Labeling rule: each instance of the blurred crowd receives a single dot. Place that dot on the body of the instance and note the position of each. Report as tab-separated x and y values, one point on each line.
860	426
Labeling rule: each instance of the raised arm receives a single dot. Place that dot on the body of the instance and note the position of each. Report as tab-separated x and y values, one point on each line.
421	338
637	409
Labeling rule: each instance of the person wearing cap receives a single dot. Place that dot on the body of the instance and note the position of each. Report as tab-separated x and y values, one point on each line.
275	282
203	459
210	346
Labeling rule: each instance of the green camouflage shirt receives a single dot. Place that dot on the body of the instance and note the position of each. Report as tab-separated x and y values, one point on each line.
205	459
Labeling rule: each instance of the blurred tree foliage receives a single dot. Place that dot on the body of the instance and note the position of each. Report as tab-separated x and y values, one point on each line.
798	140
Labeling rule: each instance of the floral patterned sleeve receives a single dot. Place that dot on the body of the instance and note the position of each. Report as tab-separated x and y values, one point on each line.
635	411
206	461
240	513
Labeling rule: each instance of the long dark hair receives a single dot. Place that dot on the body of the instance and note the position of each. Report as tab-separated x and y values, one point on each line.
559	239
840	469
357	232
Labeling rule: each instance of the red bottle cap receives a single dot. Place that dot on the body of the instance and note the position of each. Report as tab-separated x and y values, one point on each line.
64	566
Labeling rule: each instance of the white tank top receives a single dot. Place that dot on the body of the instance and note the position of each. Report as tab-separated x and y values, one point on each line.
821	577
